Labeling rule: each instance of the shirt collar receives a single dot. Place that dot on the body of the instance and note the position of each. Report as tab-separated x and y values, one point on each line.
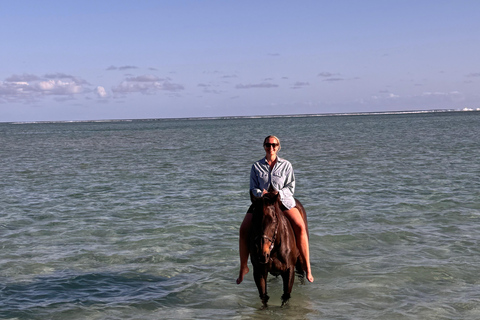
279	160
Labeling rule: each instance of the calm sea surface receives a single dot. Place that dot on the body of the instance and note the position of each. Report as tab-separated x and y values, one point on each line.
139	219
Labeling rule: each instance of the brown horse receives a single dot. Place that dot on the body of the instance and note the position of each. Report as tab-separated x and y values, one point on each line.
272	245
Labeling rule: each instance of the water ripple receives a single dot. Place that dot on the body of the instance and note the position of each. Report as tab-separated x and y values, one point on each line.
139	220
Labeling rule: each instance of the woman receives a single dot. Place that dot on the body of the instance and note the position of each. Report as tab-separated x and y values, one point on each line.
277	172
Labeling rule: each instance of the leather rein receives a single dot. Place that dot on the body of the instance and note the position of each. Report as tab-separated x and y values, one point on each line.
272	239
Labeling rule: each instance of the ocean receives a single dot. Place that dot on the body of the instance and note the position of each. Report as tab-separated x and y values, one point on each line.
139	219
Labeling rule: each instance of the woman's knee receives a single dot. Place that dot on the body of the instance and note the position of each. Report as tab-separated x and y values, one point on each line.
297	221
300	229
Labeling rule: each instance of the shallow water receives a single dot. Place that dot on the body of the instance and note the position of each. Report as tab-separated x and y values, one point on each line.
139	219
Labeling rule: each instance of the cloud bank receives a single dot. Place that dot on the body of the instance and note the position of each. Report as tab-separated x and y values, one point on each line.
29	87
60	86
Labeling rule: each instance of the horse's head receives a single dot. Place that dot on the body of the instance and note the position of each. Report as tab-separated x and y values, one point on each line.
265	225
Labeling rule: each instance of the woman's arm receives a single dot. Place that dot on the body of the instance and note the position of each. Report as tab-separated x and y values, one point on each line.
255	183
289	183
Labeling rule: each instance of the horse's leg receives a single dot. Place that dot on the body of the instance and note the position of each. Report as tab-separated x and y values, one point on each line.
300	270
261	282
288	278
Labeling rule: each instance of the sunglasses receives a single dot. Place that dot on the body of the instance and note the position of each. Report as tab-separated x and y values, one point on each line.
269	145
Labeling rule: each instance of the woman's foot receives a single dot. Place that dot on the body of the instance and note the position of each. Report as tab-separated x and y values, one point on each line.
310	277
243	272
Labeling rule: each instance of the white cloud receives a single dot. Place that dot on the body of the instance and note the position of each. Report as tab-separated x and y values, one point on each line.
11	90
173	87
121	68
127	67
64	76
22	78
327	74
59	87
256	86
146	84
100	92
145	78
452	93
300	84
333	79
46	85
29	87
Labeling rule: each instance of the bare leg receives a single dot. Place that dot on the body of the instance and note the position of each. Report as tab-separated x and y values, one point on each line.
243	246
302	238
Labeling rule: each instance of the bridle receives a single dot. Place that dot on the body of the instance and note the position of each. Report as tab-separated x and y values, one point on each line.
272	239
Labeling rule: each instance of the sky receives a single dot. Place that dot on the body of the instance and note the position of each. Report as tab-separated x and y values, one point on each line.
94	60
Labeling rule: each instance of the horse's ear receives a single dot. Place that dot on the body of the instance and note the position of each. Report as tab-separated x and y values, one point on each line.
271	189
271	197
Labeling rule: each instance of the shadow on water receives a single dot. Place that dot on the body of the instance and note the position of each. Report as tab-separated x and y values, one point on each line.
28	299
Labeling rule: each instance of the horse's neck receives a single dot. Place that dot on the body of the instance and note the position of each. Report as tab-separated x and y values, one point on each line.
285	224
283	221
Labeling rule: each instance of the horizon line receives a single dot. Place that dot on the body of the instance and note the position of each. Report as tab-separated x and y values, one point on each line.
252	116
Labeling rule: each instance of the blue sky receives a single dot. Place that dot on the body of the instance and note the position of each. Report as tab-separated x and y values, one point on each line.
87	60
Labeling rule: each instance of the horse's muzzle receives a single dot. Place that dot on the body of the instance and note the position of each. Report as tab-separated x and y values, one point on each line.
265	249
264	258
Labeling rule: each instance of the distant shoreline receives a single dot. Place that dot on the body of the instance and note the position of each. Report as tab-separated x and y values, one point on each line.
255	116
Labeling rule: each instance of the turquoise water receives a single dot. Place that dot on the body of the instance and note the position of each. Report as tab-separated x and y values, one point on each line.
139	219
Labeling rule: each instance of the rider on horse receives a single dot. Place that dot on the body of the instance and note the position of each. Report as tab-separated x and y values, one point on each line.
278	173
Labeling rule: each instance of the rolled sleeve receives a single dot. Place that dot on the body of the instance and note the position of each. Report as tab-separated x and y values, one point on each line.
283	180
255	182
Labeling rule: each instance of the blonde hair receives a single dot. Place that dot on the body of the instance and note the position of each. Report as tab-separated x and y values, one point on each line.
274	137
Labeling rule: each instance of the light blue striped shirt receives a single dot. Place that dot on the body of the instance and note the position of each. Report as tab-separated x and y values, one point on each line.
281	177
